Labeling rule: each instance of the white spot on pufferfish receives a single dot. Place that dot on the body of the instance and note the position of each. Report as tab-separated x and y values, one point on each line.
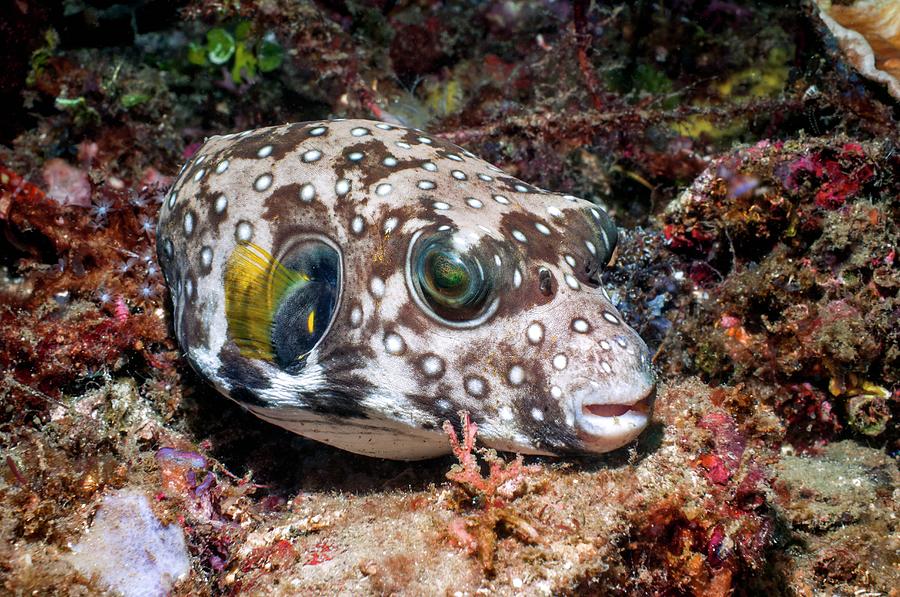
429	166
454	157
383	126
474	203
560	361
570	260
557	393
356	316
359	131
376	286
542	228
390	161
571	282
474	386
222	167
590	247
432	365
264	151
554	211
206	257
199	175
355	156
357	225
516	375
580	326
424	140
485	177
188	223
517	278
537	414
610	318
403	145
425	185
244	231
606	367
501	199
383	189
605	345
605	238
506	413
458	174
263	182
390	224
172	199
535	333
307	192
394	344
517	234
221	203
521	188
342	187
318	131
441	205
312	155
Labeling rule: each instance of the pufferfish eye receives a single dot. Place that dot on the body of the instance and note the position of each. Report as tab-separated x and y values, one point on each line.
453	283
278	309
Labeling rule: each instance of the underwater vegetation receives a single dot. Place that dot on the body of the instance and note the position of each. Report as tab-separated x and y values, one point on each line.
749	157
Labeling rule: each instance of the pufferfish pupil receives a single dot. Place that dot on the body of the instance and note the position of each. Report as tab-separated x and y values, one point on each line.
452	283
448	274
360	282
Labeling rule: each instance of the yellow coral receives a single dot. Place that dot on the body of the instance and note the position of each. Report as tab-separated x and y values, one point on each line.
853	385
754	82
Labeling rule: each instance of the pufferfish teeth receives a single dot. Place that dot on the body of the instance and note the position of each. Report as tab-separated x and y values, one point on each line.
359	283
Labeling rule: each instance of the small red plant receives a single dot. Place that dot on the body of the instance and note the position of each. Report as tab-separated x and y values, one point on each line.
488	498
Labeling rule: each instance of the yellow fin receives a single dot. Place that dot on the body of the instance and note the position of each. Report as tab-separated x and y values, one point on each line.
255	284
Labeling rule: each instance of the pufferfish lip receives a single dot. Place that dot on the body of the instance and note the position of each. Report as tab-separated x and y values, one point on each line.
607	421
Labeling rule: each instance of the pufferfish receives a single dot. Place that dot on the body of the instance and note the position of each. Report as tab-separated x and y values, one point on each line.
359	283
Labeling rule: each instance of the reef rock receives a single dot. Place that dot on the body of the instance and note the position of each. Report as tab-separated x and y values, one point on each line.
129	550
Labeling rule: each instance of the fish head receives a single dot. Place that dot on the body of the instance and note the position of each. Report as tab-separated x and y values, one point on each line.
360	283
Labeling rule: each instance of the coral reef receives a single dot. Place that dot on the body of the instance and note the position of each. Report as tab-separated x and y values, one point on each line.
803	238
755	173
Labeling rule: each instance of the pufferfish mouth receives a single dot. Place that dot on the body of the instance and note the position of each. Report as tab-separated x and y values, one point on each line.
607	420
617	410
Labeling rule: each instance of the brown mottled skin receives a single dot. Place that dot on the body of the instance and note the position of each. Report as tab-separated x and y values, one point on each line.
547	366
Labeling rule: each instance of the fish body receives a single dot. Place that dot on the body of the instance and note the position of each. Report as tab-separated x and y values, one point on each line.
359	283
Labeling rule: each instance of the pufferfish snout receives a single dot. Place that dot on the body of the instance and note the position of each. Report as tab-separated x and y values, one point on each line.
359	283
